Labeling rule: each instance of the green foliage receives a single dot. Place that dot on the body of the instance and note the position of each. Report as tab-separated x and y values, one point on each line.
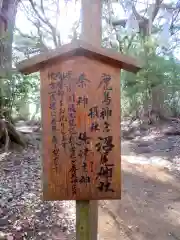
17	90
158	70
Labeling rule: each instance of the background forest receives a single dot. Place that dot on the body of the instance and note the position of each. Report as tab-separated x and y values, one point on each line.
150	203
147	29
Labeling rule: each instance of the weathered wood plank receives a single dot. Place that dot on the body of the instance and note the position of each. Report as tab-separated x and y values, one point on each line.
79	48
79	85
83	227
91	32
91	21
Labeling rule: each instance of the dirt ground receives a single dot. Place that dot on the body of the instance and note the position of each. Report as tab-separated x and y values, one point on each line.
150	204
149	208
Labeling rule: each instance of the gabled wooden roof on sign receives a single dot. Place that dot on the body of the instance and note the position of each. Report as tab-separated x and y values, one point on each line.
79	48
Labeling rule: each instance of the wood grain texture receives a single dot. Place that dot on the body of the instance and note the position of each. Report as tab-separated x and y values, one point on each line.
79	48
91	21
91	33
83	228
57	180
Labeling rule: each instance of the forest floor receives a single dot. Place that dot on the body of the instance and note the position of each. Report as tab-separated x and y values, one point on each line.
150	204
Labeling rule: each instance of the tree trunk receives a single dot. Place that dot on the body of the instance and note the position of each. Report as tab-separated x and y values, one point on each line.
8	9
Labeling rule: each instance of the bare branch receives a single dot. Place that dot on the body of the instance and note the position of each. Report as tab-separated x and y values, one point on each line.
45	20
36	21
145	24
56	24
174	19
23	34
121	22
42	6
157	6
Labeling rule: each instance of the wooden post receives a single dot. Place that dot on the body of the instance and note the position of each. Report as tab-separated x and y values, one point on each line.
83	222
87	211
91	21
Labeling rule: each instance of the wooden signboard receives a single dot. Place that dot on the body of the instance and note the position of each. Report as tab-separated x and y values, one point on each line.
80	100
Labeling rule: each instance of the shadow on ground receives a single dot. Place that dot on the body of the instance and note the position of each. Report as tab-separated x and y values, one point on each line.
149	208
157	145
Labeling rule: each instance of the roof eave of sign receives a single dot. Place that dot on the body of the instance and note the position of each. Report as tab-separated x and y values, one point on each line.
79	48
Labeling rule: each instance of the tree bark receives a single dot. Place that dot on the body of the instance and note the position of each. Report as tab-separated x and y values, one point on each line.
8	10
7	133
7	21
